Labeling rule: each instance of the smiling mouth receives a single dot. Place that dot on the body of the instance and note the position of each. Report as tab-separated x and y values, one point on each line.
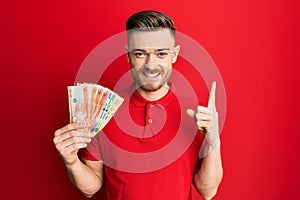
150	75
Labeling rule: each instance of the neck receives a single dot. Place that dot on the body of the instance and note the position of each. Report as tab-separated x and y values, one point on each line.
154	96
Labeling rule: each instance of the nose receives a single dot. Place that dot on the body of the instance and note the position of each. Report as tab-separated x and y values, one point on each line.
150	59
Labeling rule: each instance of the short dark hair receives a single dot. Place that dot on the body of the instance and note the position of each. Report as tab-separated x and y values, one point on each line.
149	20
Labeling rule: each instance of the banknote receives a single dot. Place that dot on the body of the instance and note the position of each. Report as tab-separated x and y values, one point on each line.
77	104
92	104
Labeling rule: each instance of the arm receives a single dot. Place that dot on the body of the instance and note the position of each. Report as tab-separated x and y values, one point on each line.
210	173
87	176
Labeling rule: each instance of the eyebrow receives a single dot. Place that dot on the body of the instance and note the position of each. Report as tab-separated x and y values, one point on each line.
143	50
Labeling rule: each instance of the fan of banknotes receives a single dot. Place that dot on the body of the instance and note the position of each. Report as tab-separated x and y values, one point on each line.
92	104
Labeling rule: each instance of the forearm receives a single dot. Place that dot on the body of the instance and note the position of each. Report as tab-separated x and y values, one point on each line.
84	178
210	174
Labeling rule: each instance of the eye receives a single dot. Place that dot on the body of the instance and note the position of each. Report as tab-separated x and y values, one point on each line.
140	54
162	54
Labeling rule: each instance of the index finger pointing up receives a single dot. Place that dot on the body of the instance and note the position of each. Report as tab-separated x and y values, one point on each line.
212	97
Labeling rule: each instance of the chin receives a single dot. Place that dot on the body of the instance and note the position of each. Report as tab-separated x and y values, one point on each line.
151	87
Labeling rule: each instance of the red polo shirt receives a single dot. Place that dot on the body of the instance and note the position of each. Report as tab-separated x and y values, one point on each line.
149	149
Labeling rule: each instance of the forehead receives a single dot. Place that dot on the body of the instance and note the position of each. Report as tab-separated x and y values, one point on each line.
157	39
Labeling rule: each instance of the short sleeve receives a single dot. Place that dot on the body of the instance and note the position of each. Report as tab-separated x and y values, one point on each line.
92	151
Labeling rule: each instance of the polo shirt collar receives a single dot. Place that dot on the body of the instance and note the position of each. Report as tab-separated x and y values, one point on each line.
139	100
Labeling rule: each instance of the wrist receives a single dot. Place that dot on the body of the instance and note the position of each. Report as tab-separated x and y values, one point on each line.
215	143
208	148
72	165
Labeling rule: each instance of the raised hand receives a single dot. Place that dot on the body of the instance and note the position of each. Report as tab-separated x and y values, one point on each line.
207	118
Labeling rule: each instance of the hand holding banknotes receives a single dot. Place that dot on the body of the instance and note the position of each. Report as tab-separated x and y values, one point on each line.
69	139
91	107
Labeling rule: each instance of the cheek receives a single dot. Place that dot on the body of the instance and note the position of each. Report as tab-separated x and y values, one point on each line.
134	68
168	66
136	64
167	63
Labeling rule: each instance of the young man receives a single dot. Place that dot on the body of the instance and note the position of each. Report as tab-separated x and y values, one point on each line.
155	109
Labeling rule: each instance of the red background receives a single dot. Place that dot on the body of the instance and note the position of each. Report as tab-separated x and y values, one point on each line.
255	45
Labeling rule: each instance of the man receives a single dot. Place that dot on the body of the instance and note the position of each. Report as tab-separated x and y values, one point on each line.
151	51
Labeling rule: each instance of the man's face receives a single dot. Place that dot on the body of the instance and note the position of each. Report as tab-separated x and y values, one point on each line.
151	54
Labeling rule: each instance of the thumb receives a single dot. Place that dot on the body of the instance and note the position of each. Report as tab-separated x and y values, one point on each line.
191	113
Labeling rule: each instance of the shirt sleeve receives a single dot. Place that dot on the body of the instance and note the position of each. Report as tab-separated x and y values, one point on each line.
92	151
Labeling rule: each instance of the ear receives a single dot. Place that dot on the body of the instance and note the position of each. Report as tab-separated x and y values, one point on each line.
176	51
127	54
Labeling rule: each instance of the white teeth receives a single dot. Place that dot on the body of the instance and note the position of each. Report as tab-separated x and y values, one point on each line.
151	75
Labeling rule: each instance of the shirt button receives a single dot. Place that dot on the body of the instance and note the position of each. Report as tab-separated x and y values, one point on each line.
150	121
151	105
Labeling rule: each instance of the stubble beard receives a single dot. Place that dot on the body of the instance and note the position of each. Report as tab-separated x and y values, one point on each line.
150	86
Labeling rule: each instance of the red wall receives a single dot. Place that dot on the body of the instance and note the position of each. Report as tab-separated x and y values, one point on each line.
255	45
